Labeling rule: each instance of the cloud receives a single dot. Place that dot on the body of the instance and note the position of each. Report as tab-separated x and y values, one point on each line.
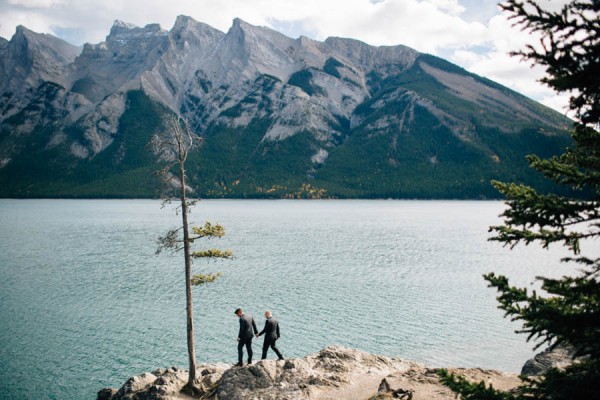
452	7
423	24
497	64
431	26
36	3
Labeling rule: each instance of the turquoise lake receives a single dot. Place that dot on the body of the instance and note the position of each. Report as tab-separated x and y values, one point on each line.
85	303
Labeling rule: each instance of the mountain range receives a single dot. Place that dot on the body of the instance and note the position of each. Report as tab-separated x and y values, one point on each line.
280	117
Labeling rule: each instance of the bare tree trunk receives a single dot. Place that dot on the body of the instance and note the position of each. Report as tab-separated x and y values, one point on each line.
188	277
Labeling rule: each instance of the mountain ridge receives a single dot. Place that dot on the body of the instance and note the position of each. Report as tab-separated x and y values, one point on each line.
280	117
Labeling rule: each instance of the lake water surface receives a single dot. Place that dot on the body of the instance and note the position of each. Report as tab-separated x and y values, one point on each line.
85	303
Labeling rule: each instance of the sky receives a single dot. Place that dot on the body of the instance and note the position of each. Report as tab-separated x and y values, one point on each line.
474	34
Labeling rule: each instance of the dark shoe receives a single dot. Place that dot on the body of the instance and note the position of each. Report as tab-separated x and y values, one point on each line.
249	362
281	358
238	365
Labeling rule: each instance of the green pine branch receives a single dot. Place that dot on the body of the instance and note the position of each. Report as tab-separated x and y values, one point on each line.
208	231
213	253
470	390
547	219
201	279
567	309
569	313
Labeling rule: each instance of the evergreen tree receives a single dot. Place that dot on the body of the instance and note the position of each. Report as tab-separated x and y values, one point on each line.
569	310
173	146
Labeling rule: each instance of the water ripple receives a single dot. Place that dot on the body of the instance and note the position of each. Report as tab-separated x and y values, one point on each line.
85	303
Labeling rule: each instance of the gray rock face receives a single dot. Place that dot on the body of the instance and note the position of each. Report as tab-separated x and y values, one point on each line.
49	103
106	394
386	59
189	44
248	56
333	373
30	59
560	357
164	384
195	70
117	63
230	80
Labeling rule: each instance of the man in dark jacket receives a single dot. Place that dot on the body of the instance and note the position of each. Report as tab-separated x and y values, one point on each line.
247	332
271	332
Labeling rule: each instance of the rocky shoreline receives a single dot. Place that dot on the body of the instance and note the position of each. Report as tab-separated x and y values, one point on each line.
332	373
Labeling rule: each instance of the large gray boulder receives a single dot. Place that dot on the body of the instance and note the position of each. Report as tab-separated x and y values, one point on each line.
165	384
559	357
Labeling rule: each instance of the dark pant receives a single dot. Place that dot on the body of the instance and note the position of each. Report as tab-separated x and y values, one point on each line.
270	343
248	344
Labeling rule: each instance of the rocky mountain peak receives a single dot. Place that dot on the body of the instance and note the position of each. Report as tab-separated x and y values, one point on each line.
252	34
120	27
123	28
116	64
183	23
23	31
251	51
338	115
371	57
31	58
133	38
188	28
47	45
189	45
239	23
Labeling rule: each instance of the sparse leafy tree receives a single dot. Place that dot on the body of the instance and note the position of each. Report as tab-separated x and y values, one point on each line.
569	310
173	146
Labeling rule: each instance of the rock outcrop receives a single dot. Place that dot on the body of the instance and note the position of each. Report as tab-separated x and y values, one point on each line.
333	373
559	357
